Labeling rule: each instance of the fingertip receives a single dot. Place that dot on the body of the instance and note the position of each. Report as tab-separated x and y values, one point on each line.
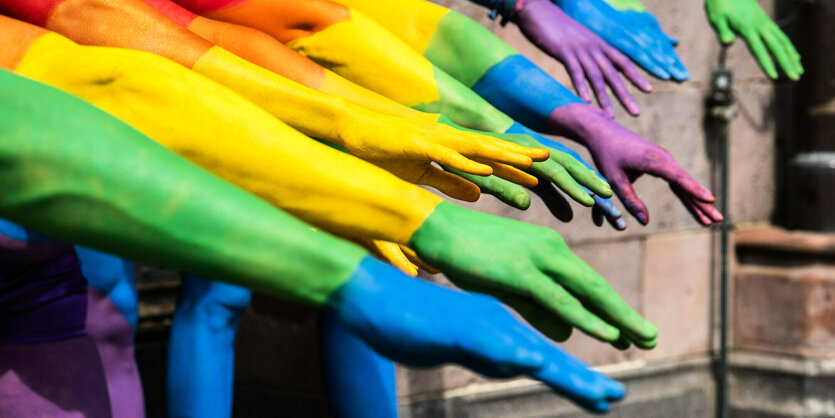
615	390
642	217
620	224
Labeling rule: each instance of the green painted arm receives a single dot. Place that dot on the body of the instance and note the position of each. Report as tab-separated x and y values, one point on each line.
75	173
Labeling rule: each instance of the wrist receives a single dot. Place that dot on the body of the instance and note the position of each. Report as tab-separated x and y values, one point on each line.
578	122
365	292
431	238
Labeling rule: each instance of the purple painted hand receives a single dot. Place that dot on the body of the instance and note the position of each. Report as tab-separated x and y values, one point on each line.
584	54
622	157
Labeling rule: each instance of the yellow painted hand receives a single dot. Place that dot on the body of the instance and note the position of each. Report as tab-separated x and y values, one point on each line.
413	146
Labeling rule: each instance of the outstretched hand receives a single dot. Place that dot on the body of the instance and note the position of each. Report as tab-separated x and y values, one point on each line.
622	157
502	255
584	54
763	36
418	144
627	26
422	324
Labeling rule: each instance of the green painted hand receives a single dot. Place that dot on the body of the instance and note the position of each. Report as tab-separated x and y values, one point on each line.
764	37
510	258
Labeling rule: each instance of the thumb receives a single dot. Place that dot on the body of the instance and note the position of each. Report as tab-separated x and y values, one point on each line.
623	188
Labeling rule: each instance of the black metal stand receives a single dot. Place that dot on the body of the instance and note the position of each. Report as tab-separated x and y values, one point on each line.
721	111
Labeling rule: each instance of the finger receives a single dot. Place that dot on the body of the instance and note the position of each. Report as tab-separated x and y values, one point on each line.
621	344
704	212
594	292
388	252
597	84
415	260
666	168
677	69
628	69
578	77
447	157
511	174
755	44
511	194
557	174
789	46
780	53
623	188
610	211
574	380
580	170
561	303
449	184
723	29
535	153
487	151
616	83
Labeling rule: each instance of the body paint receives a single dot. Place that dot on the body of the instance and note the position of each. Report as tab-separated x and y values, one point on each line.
258	152
364	133
80	175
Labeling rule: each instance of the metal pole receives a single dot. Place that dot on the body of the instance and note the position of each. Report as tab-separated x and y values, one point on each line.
721	112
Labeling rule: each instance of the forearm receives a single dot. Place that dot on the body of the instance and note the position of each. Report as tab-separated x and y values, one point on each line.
474	56
75	173
234	139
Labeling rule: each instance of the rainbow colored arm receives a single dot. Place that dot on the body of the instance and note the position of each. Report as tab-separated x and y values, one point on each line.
77	174
367	134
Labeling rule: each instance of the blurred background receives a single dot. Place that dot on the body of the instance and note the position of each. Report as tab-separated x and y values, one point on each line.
780	285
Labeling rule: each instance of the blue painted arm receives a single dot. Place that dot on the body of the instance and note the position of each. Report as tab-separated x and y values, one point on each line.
421	324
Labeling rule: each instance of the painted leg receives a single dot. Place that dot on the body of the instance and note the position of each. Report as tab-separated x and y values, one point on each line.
360	383
112	314
201	351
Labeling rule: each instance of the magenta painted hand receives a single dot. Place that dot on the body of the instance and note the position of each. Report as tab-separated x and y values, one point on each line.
584	54
622	157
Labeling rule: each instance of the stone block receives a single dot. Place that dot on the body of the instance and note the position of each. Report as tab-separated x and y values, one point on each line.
787	310
677	293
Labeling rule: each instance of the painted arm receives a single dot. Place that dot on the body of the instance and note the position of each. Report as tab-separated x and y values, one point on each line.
243	144
359	49
629	27
584	54
364	133
78	174
517	86
763	36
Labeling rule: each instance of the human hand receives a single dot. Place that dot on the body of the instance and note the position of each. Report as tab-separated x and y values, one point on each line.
622	157
633	32
504	255
407	149
422	324
763	36
584	54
